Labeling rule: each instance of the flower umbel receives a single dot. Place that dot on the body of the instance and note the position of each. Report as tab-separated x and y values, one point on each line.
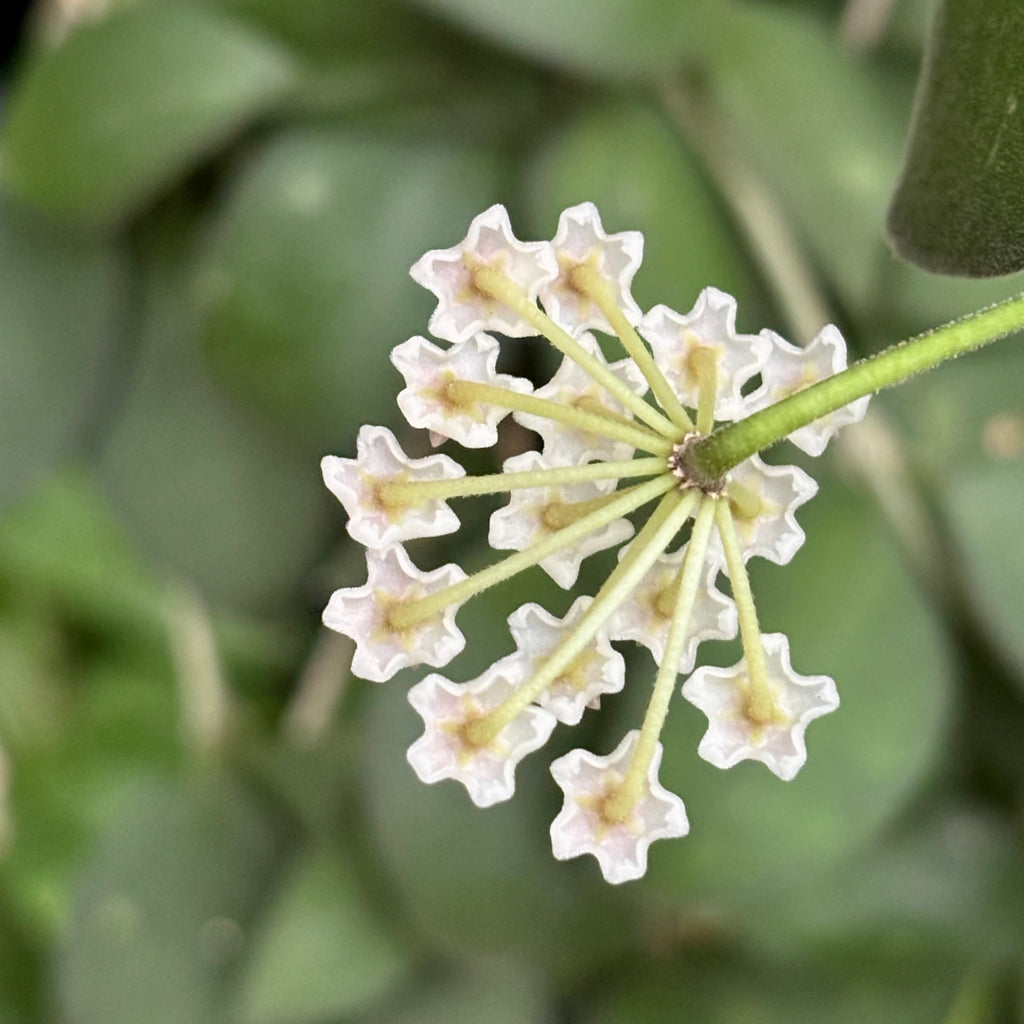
618	435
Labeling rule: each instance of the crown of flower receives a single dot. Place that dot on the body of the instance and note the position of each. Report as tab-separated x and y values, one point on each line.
571	499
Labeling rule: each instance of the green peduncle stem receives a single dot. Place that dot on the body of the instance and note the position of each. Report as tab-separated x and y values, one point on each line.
710	458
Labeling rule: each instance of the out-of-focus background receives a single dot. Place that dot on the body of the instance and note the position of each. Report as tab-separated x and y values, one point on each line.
207	214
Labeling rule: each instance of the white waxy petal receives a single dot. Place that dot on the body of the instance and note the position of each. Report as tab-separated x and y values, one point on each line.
581	239
771	531
444	752
790	369
723	694
362	614
597	670
523	521
571	386
711	325
428	370
646	615
620	847
356	483
462	310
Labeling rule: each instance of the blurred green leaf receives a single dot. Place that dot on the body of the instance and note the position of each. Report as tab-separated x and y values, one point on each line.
320	952
306	285
851	611
203	489
472	991
99	125
965	427
713	991
162	911
823	130
57	302
688	244
959	204
599	38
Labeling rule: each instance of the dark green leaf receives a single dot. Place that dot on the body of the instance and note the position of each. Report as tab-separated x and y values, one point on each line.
959	205
100	124
307	287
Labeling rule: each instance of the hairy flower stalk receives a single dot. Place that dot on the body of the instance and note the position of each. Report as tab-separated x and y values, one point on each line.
698	400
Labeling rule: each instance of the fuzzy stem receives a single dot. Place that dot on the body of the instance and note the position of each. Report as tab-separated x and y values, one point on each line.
405	616
619	806
591	284
761	701
715	455
412	492
493	283
657	534
463	392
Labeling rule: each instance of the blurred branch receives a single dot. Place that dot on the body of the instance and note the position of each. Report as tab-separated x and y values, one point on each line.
320	688
864	23
205	700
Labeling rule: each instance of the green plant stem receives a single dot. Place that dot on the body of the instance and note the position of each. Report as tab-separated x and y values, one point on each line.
716	454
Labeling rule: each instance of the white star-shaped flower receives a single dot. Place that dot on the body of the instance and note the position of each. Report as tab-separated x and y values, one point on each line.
581	240
462	310
740	729
445	751
790	369
572	386
527	519
581	826
362	613
710	326
597	669
428	370
356	483
764	511
646	615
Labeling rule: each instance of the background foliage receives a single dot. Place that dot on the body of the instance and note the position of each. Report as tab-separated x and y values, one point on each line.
207	213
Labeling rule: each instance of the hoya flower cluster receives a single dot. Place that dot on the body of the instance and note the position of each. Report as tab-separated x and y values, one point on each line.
615	436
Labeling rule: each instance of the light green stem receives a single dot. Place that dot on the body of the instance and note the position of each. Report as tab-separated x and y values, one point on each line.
595	287
710	458
492	282
652	540
761	700
412	492
405	616
628	794
465	392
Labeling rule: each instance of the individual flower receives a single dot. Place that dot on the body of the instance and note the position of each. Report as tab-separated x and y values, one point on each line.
536	513
572	386
586	825
598	669
366	614
581	244
646	615
375	520
462	309
448	750
764	500
790	369
432	397
767	726
679	340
